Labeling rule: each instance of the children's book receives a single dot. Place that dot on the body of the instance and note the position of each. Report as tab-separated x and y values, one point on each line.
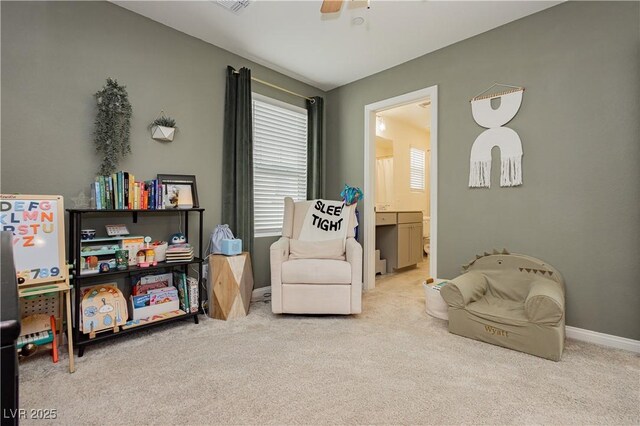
96	187
140	301
132	183
146	283
179	279
125	190
162	295
192	286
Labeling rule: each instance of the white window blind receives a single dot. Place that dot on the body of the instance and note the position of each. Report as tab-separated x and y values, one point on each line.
279	161
416	169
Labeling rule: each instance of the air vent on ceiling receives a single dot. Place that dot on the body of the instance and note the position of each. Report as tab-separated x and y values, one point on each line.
235	6
424	104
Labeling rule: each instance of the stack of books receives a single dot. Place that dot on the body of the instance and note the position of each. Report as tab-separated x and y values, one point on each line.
121	191
179	253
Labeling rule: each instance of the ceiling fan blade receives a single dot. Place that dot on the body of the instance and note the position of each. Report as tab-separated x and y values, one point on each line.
331	6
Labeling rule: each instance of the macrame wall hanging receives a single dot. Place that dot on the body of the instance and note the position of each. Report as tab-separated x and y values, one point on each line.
496	135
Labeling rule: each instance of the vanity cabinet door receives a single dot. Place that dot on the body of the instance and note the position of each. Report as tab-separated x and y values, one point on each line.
416	243
404	245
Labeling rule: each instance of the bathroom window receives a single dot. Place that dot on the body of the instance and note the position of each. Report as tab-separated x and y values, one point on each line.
279	161
416	169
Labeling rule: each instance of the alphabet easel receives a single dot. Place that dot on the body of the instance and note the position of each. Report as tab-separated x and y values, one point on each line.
37	224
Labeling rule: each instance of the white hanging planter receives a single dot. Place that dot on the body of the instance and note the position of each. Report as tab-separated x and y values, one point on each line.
162	133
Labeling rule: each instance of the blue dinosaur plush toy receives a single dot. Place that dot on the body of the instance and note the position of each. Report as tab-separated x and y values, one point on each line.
351	194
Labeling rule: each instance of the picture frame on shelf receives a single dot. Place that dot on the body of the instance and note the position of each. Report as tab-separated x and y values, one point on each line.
181	191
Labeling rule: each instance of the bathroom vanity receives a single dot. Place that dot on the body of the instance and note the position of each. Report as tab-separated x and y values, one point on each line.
399	238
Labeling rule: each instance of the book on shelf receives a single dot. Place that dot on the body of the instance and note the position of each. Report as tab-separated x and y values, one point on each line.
111	200
145	283
120	191
95	191
192	288
181	284
162	295
116	194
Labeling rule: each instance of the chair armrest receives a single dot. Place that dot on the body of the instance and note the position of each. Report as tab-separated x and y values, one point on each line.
462	290
280	250
545	302
278	253
353	252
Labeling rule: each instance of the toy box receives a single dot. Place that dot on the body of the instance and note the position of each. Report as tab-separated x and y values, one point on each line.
155	302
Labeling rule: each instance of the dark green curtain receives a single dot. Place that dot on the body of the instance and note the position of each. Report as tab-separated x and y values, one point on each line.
315	147
237	157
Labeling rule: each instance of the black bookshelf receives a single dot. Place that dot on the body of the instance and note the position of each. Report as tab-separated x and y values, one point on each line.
79	280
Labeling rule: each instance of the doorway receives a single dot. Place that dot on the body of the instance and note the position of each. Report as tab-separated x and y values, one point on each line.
406	221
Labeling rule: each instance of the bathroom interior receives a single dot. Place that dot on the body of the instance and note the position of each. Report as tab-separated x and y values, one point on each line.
402	192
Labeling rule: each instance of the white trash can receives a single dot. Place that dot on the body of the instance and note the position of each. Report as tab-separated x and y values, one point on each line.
435	304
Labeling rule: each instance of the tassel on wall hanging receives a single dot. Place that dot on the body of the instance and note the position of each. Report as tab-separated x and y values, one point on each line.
496	135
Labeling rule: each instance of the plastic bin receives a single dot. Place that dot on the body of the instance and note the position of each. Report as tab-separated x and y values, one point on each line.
435	304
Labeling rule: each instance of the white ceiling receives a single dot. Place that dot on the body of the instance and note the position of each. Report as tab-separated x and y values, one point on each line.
328	51
411	114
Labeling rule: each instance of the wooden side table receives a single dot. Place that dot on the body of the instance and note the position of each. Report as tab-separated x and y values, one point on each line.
230	286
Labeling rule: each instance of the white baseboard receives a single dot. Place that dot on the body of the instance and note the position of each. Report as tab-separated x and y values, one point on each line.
603	339
261	294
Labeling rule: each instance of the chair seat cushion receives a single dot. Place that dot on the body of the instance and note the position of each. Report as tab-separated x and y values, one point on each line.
316	271
329	249
498	310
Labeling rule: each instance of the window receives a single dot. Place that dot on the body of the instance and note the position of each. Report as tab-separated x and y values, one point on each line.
279	161
416	169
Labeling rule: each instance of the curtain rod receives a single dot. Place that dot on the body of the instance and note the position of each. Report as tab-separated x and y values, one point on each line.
266	83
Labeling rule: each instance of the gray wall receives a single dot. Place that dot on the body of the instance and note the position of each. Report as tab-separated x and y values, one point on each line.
55	56
579	206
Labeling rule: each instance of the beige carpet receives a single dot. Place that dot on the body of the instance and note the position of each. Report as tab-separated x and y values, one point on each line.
391	365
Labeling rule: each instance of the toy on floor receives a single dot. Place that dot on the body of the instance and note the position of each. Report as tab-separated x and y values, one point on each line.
38	330
511	300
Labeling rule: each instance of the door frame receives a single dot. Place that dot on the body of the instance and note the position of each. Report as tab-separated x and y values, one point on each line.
370	111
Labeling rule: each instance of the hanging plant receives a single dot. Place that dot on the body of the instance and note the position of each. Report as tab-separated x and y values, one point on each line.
113	124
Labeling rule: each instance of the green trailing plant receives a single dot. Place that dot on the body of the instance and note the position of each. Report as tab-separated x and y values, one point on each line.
164	121
112	125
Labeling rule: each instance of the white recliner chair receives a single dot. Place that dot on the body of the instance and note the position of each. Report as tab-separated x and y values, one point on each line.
314	285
